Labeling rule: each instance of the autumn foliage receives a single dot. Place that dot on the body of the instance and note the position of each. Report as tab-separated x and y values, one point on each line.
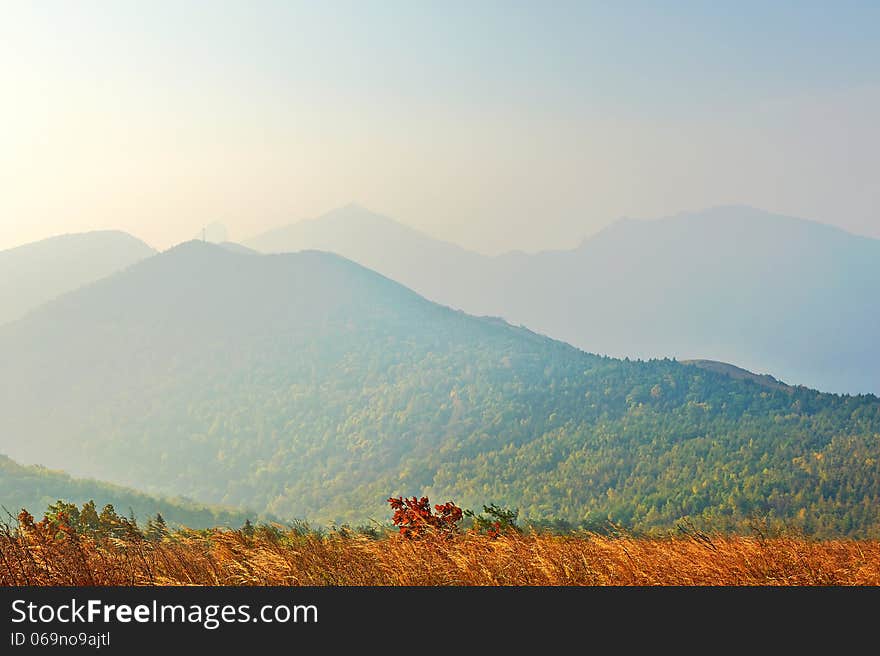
414	517
58	551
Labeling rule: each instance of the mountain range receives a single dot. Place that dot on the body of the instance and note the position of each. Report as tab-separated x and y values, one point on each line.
306	385
774	294
35	273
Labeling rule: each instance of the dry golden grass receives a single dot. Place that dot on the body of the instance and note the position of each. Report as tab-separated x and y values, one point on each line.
292	558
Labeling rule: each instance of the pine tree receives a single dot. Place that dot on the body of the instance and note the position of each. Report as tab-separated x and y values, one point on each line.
248	528
156	528
88	517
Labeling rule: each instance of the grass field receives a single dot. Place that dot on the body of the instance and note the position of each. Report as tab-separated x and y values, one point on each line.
35	556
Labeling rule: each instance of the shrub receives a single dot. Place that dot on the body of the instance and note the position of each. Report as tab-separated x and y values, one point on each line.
496	521
414	517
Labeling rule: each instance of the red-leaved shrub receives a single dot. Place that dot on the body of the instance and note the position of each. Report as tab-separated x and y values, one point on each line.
415	518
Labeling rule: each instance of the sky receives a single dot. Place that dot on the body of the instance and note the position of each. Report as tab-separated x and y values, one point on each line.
495	125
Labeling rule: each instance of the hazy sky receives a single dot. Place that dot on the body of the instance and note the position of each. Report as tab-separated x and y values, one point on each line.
497	125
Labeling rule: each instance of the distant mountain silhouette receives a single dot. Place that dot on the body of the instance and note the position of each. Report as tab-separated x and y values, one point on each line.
436	269
772	293
237	248
305	385
35	273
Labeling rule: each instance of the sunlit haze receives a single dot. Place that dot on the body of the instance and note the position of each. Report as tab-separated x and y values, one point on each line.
495	125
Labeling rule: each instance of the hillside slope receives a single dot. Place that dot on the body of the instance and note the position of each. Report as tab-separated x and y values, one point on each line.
35	273
34	488
306	385
764	380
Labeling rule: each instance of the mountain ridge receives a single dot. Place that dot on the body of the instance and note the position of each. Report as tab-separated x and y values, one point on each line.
727	284
306	385
765	380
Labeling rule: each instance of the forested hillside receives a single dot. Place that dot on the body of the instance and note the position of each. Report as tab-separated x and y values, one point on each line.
36	488
307	386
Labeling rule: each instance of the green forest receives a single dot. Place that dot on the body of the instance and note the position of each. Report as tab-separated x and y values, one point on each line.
306	386
38	489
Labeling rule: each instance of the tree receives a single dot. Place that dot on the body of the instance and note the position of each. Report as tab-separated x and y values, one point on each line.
111	524
156	528
88	517
496	521
61	514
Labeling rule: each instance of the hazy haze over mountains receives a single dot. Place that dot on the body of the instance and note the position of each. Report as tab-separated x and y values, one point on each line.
441	271
774	294
503	339
494	127
35	273
307	385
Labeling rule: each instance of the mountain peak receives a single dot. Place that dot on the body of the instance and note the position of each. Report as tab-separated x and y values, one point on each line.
355	207
362	235
214	232
193	245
